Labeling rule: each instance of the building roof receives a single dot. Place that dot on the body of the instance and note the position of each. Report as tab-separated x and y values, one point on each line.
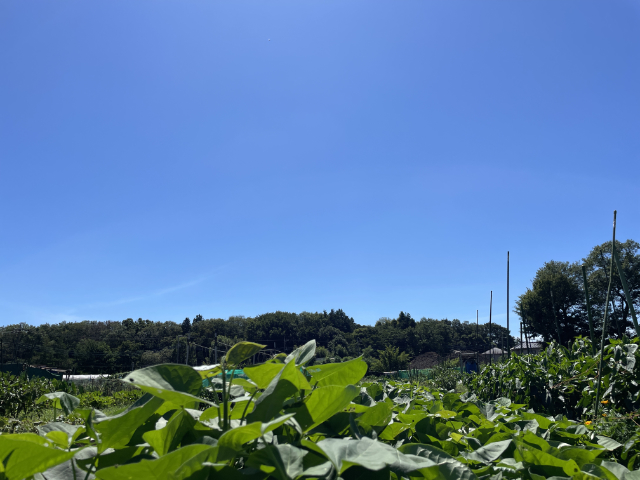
538	345
493	351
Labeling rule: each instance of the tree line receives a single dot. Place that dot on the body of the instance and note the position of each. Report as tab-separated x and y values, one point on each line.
119	346
557	292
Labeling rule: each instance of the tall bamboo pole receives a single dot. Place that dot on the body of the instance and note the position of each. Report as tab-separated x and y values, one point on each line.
604	320
613	308
508	331
586	295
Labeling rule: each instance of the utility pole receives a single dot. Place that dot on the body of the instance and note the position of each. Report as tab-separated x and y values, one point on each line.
216	350
186	360
490	342
178	351
508	331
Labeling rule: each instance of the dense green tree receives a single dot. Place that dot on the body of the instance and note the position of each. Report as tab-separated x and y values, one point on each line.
597	264
540	310
565	279
186	326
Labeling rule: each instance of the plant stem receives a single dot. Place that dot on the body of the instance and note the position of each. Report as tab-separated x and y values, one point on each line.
247	405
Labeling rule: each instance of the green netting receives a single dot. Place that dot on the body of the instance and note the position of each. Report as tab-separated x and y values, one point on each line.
236	374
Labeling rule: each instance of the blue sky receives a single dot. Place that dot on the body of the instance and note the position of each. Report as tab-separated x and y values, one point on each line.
168	158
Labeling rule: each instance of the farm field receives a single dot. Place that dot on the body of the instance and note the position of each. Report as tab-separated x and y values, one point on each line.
289	421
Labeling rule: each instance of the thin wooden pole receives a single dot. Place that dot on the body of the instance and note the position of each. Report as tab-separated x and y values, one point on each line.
613	309
508	331
586	295
604	320
490	341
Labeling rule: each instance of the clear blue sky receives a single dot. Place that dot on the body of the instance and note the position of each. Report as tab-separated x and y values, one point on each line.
161	159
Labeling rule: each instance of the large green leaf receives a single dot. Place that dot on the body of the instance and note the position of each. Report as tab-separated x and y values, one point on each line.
302	354
323	403
61	400
116	431
490	452
342	374
61	433
284	462
242	351
234	439
168	438
377	416
262	375
178	384
367	453
608	443
553	465
26	454
448	468
271	401
163	468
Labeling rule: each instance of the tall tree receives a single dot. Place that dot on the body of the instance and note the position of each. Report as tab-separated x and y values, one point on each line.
597	265
186	326
537	307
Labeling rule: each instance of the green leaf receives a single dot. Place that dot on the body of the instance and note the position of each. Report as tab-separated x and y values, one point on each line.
26	454
270	402
489	453
210	372
61	433
377	416
302	354
579	455
262	375
284	462
393	430
178	384
61	400
166	467
598	472
538	457
607	443
618	470
342	374
368	453
168	438
448	468
116	431
235	438
322	404
242	351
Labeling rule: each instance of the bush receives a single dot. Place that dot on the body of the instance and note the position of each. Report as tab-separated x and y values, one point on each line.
445	378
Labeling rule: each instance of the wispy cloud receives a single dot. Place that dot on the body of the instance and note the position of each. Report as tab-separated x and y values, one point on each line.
153	294
41	314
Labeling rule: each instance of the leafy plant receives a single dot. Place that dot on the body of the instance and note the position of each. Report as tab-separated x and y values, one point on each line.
292	421
390	359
